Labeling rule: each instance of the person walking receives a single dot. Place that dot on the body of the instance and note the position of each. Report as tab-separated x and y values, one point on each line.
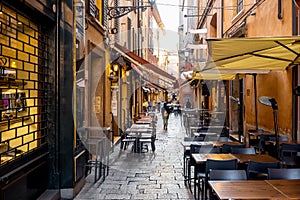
188	104
166	113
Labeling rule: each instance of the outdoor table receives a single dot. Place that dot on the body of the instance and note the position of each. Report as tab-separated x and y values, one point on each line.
143	122
290	188
244	158
247	189
196	134
186	144
133	126
138	134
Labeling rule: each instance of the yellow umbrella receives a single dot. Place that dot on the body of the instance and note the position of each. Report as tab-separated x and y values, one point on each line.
253	53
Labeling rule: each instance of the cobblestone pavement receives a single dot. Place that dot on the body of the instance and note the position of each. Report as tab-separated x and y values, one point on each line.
150	175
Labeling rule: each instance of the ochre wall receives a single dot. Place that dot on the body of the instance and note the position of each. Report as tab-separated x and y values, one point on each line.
275	84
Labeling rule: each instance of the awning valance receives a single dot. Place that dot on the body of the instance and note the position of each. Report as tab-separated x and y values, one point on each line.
144	65
210	75
253	53
214	76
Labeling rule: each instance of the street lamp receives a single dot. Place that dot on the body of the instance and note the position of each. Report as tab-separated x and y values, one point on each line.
268	101
119	11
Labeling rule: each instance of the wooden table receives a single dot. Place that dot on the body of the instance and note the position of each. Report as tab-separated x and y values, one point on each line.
248	189
197	134
290	188
244	158
202	158
187	144
140	126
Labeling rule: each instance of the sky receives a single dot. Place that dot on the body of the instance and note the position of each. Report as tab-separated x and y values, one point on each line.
169	13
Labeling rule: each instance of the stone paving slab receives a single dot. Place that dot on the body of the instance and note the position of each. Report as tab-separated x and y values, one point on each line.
150	175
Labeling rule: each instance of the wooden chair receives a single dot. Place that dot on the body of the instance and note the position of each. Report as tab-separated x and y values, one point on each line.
284	173
259	170
246	150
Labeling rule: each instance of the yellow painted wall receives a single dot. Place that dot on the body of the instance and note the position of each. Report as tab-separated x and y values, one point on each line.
275	84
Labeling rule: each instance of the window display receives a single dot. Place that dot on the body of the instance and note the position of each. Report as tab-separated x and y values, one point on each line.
23	72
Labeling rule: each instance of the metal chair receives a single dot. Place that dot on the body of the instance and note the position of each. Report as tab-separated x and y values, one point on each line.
283	173
187	153
226	148
246	150
225	175
196	148
289	155
229	174
213	165
259	170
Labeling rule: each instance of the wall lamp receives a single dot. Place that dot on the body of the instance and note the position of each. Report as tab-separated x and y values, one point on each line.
119	11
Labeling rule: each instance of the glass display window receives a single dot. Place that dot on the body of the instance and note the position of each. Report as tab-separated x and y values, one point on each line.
23	85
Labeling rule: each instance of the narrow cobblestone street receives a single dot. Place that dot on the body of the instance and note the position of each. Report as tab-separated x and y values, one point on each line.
150	175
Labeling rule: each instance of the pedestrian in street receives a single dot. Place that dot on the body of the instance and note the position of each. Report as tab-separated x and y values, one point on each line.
145	106
188	104
166	113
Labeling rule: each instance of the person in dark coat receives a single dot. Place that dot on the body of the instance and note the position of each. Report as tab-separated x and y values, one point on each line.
166	113
188	104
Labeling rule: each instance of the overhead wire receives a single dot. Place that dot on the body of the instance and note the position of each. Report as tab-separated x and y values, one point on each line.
195	7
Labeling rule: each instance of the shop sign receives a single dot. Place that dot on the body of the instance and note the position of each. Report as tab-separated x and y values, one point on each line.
114	100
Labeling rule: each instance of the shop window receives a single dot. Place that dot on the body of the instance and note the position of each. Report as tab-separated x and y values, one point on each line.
23	86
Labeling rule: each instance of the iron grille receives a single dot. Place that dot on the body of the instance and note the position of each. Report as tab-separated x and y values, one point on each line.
24	85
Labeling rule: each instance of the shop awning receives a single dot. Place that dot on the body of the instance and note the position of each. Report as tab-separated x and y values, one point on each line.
253	53
209	75
214	76
144	65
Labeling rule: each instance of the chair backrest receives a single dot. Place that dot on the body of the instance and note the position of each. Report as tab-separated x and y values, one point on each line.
228	174
284	173
201	148
259	170
263	139
215	150
226	148
289	154
245	150
220	165
283	138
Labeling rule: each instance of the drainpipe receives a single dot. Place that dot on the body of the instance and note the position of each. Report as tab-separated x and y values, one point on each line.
296	31
222	16
56	169
279	10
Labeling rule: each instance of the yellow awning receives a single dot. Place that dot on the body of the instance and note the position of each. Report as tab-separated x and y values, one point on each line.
214	76
253	53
